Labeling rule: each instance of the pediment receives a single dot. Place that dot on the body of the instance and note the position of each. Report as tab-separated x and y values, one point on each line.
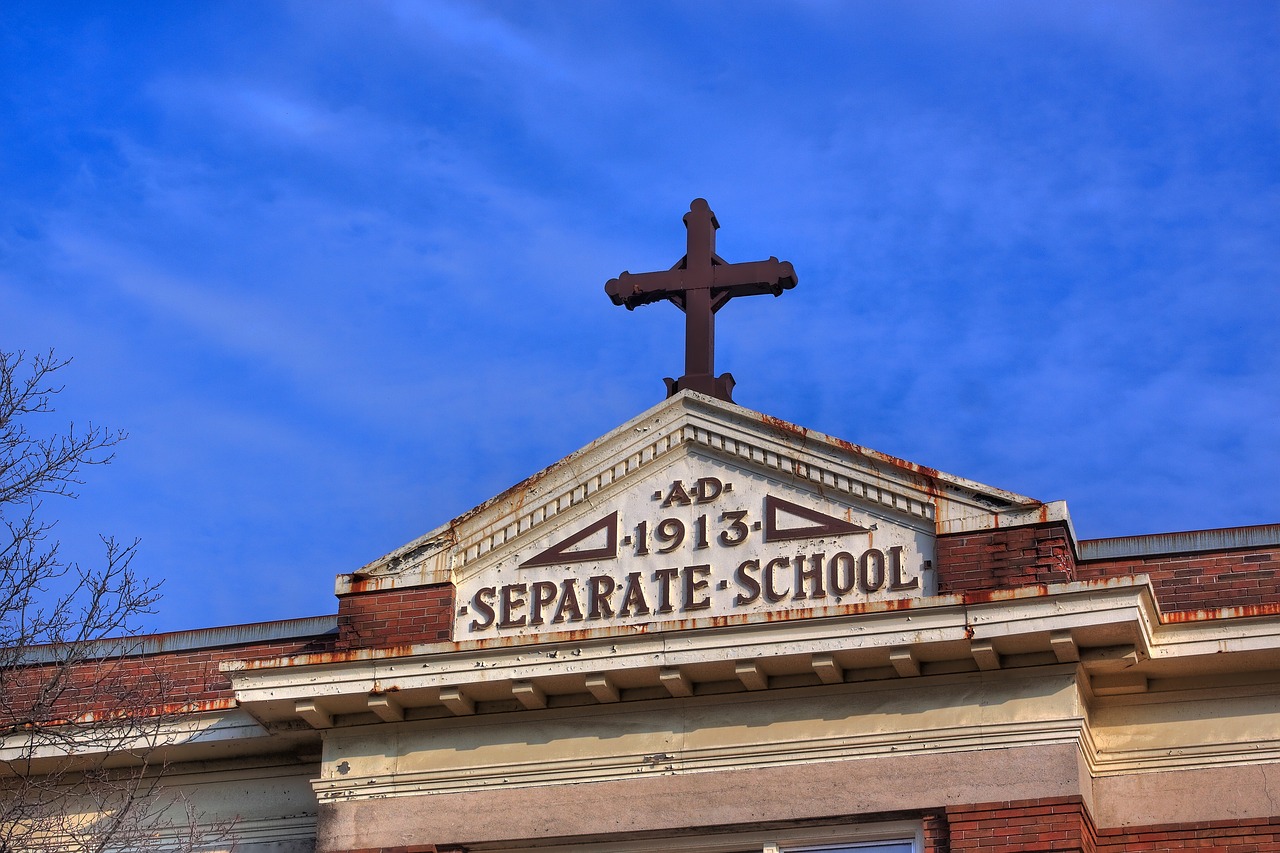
696	512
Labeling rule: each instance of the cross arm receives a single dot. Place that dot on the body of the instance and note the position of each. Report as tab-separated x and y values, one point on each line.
633	289
754	277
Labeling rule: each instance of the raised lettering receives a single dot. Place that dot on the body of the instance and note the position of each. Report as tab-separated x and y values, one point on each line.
771	594
633	600
897	582
811	576
666	580
871	570
707	489
482	608
544	592
700	533
677	495
842	573
642	539
693	587
568	603
738	530
747	582
512	599
599	588
671	532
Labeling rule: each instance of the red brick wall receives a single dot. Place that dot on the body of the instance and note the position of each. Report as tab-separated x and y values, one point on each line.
1012	557
937	838
395	617
1058	825
167	681
1236	836
1063	825
1242	578
1004	558
163	682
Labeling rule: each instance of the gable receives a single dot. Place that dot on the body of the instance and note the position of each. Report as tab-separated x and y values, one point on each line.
697	537
698	512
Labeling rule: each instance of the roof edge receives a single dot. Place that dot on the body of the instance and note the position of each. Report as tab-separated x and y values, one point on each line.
1186	542
184	641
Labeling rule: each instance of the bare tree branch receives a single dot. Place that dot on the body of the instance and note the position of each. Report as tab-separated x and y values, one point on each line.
81	715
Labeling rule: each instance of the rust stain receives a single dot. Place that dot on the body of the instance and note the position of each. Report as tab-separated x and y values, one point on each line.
925	477
822	608
168	710
1240	611
923	470
362	583
785	427
515	496
1033	590
320	658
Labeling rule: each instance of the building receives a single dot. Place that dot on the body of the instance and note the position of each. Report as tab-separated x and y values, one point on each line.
711	631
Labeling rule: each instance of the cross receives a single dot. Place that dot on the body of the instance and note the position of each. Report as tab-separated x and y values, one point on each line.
699	285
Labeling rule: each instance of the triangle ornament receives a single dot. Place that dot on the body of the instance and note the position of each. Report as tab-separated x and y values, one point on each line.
821	523
562	552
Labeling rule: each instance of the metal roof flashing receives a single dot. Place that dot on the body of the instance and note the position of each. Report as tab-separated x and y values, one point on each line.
1186	542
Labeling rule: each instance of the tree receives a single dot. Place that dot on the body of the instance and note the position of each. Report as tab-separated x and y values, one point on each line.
81	719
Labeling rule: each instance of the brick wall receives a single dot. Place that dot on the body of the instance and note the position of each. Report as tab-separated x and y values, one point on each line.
395	617
167	682
1058	825
1013	557
1063	825
937	837
1005	558
1248	577
152	683
1235	836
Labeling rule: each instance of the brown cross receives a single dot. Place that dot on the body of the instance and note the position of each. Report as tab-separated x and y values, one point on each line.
699	285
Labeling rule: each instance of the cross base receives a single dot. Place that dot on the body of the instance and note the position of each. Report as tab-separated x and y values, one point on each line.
720	387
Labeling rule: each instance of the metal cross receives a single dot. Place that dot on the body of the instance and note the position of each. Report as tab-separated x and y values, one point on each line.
699	285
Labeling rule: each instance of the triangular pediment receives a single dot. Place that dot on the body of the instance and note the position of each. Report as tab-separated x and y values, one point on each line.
696	512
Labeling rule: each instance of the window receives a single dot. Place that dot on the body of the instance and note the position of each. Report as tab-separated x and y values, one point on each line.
903	846
896	837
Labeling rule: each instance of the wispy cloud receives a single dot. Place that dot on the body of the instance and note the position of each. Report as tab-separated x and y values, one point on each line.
359	250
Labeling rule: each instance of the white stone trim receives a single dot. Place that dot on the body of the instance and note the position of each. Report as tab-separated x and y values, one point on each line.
946	622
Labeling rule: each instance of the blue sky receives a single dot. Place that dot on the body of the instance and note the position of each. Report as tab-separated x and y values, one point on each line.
338	268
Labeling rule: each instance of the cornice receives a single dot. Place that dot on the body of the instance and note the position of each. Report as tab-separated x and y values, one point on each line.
1106	625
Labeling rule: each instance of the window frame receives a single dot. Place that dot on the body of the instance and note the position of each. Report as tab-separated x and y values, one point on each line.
796	839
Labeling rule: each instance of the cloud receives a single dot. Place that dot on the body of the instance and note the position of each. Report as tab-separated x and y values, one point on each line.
482	37
360	252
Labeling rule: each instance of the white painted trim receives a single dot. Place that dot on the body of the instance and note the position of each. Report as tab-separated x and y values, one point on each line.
141	735
621	766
